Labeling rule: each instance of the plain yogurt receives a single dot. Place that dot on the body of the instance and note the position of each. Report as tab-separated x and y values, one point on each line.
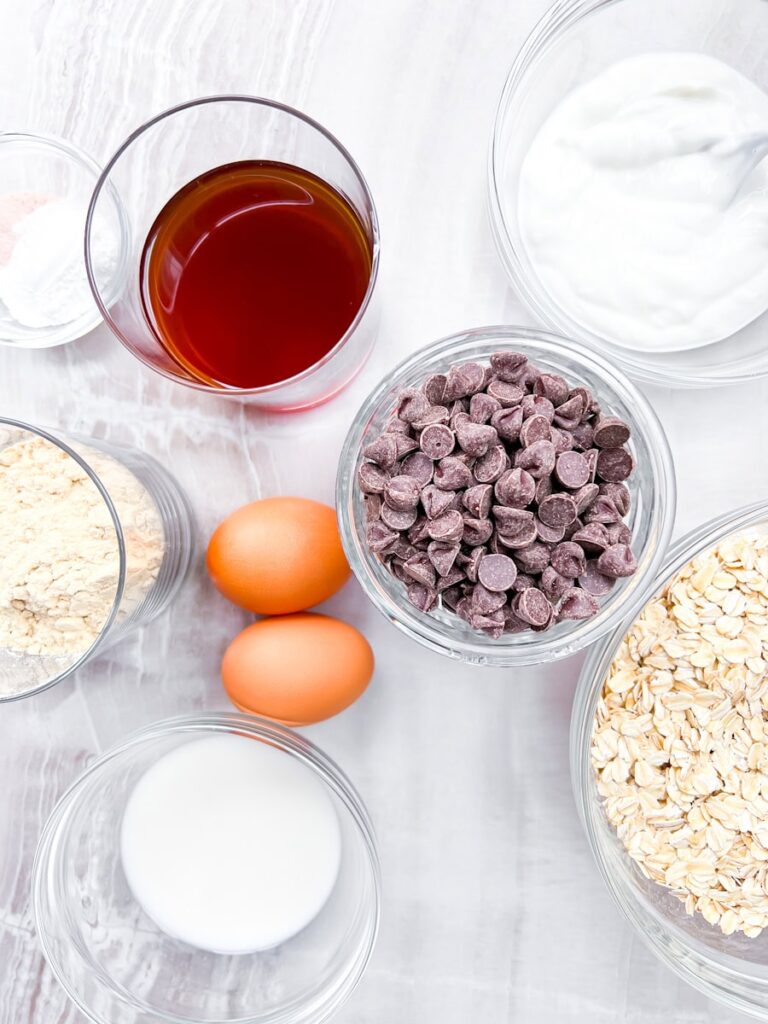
636	211
230	845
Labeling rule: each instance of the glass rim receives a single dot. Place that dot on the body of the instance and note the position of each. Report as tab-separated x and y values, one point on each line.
557	20
539	648
698	968
308	1010
122	558
104	180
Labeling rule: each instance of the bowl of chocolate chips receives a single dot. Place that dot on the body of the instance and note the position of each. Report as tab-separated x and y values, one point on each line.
506	497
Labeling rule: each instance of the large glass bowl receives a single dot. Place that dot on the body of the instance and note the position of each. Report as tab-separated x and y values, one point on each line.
733	969
574	42
118	967
652	486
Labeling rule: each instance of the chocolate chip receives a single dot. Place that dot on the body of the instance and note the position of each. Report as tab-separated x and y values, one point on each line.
451	596
591	457
405	444
594	582
553	584
476	438
397	519
397	426
434	388
593	539
602	510
585	496
575	526
476	531
549	534
557	510
538	458
419	531
447	527
435	501
412	405
420	568
611	432
505	393
419	466
382	451
463	379
372	507
482	407
402	493
614	464
534	558
516	488
617	562
568	415
437	441
535	428
512	521
577	604
490	466
507	423
619	495
442	556
553	387
618	533
583	437
512	624
531	606
572	470
485	601
434	414
421	597
497	572
477	500
380	538
522	582
471	561
568	559
538	405
587	399
543	489
508	366
561	439
451	474
372	479
450	579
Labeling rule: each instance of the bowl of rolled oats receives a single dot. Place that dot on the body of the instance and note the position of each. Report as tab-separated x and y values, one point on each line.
669	756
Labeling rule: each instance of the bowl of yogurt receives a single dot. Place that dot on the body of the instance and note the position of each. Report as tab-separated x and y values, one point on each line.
628	184
211	868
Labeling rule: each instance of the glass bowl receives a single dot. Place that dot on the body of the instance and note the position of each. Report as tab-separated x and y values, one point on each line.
118	967
652	486
40	167
571	44
733	969
142	500
164	155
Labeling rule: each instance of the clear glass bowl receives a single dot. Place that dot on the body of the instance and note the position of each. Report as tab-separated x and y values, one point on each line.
40	165
733	969
119	968
652	486
112	469
571	44
164	155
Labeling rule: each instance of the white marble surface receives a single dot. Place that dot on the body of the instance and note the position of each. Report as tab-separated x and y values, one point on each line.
493	910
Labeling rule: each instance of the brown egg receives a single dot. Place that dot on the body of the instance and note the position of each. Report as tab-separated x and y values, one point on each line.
278	555
297	669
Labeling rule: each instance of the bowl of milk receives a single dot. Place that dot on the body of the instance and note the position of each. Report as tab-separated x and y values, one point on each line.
210	868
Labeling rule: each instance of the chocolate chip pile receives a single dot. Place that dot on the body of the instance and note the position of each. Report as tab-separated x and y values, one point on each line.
499	492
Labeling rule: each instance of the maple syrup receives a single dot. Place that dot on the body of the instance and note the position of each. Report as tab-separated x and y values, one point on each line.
253	272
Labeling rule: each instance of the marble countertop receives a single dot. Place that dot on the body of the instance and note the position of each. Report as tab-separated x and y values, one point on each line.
493	908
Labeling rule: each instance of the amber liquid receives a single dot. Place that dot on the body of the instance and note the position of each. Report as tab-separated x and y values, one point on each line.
253	272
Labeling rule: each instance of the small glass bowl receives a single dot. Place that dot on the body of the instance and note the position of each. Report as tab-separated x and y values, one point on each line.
172	149
652	486
118	967
571	44
108	466
732	969
44	166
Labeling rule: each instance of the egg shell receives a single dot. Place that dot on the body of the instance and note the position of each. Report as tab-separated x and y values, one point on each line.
278	555
297	669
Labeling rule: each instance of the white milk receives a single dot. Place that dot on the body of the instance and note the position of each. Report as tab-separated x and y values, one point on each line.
230	845
625	203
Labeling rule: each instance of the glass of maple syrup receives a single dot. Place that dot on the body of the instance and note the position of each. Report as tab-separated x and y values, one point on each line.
253	252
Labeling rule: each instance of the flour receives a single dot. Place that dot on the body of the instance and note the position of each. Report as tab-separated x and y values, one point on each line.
43	282
60	566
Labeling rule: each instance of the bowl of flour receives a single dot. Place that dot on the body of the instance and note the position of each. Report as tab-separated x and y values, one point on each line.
96	540
45	187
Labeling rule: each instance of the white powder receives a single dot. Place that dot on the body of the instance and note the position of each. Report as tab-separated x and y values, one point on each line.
60	566
43	281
